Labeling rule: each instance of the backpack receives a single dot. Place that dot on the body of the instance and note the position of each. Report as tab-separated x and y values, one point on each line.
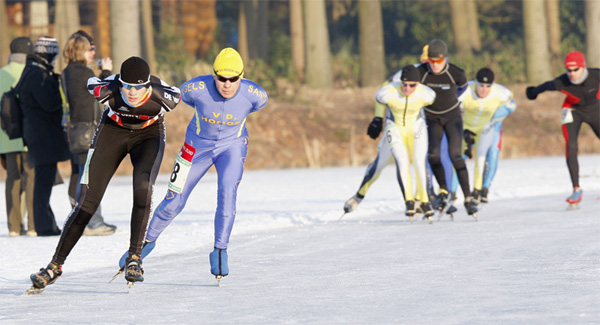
11	116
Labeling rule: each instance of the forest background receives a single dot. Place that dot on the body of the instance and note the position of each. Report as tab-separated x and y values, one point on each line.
321	62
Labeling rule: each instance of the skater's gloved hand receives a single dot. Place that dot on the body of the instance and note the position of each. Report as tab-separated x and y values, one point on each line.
469	151
375	127
469	137
531	92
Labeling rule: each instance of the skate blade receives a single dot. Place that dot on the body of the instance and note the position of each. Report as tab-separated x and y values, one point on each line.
340	218
573	207
116	275
411	219
130	284
428	218
474	216
33	291
218	277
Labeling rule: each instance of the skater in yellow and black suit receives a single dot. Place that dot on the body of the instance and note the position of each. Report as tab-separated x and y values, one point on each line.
406	133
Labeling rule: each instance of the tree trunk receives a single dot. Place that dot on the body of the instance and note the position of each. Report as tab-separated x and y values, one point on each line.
243	33
66	23
297	38
257	18
318	55
592	23
262	30
125	24
372	56
460	27
473	23
103	45
553	18
4	35
148	33
536	42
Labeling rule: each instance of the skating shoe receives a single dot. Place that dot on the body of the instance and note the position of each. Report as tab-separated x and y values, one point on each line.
441	200
427	209
576	196
476	195
146	249
46	276
470	205
102	230
218	262
134	271
484	195
352	203
410	208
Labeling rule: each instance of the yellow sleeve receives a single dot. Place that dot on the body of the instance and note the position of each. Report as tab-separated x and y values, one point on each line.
380	108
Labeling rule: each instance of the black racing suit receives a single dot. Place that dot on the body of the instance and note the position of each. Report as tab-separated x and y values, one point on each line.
123	129
583	104
444	116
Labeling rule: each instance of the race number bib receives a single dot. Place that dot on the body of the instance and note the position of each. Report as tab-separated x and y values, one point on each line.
181	169
567	115
85	178
391	134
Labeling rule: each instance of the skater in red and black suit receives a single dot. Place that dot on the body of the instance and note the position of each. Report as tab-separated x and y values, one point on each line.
582	87
132	123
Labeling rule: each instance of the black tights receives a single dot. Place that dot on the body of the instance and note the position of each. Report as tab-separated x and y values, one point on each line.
453	127
145	148
571	133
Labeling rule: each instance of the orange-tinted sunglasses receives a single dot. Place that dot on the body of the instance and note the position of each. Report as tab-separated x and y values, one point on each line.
432	60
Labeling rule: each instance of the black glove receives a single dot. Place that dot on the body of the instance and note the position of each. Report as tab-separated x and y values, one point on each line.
531	92
375	127
469	151
469	137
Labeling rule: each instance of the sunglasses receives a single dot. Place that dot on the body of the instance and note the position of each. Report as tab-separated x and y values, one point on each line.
438	61
223	79
409	85
133	86
93	48
573	70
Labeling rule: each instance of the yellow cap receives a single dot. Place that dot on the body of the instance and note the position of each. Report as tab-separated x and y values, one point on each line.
425	53
229	63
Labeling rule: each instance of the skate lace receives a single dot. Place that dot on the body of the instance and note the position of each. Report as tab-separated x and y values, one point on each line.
133	267
49	274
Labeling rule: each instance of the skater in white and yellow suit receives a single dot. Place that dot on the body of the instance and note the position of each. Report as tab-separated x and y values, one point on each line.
480	101
406	133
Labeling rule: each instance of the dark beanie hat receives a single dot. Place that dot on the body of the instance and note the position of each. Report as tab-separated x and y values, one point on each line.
47	48
410	73
135	71
21	45
485	76
437	49
86	35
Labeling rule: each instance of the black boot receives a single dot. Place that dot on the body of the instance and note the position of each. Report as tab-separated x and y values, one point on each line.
46	276
134	271
410	208
470	205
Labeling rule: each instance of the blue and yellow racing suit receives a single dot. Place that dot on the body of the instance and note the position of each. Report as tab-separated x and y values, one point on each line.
216	135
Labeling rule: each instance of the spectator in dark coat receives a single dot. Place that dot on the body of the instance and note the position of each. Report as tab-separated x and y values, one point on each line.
42	129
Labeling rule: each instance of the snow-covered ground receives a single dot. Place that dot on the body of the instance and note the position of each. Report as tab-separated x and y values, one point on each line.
526	261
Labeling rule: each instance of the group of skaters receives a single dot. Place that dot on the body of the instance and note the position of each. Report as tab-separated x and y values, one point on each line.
435	119
131	123
431	115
